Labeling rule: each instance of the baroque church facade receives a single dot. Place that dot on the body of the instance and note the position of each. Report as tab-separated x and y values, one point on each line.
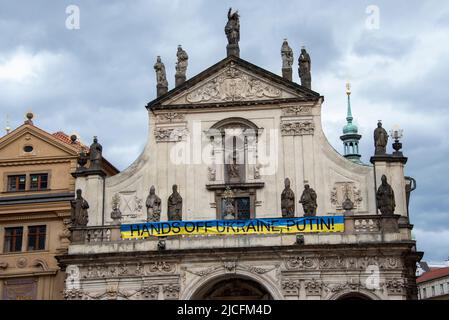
237	142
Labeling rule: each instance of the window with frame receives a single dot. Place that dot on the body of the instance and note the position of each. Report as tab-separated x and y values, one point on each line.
441	289
241	208
17	183
39	181
424	293
13	239
36	237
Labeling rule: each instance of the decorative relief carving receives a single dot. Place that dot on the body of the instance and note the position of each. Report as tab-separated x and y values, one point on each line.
130	204
395	286
161	266
149	292
171	291
296	111
366	225
125	270
233	85
211	174
297	128
313	287
343	191
229	266
290	287
21	263
170	117
301	263
73	294
170	134
341	263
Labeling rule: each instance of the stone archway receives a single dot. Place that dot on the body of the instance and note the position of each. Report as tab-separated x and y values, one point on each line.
232	288
354	296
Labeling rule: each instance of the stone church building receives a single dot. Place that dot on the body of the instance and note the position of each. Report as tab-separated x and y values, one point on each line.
228	139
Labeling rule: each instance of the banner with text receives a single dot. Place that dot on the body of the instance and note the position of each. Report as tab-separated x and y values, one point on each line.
230	227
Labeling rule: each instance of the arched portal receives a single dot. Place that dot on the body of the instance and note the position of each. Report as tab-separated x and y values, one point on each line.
232	288
354	296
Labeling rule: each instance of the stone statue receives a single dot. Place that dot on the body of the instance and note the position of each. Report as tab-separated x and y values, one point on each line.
95	154
287	60
79	215
380	139
153	205
233	168
385	198
161	77
232	30
305	67
82	160
175	205
288	201
308	201
287	55
229	212
181	66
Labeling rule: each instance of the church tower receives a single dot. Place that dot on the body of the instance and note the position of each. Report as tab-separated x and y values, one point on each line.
350	135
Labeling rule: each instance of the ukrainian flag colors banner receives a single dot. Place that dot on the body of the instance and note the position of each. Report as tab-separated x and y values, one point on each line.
230	227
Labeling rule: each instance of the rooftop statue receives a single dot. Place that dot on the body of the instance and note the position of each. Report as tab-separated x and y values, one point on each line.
95	154
181	66
380	139
287	55
232	31
305	67
161	77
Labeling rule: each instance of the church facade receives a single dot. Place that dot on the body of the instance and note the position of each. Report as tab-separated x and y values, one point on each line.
237	142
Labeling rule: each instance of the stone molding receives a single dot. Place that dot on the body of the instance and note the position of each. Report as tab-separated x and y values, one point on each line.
297	128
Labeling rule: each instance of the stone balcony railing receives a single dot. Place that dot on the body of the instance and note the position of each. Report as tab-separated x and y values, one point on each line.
354	225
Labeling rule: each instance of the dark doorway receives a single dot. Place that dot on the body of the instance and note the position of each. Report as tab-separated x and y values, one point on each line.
233	289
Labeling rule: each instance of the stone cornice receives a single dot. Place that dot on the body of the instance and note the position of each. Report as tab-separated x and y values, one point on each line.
249	252
35	161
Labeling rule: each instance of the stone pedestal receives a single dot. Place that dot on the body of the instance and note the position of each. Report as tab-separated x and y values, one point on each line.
393	168
287	73
91	182
161	90
233	50
179	79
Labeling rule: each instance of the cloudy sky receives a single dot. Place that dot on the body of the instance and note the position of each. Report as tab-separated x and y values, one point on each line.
96	80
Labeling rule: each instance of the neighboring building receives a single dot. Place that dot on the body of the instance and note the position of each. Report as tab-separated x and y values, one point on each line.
35	194
202	139
434	284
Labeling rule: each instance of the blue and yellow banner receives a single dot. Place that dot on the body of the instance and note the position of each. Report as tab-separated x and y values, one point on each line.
231	227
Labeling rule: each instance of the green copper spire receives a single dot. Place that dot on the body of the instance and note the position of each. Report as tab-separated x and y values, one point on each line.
350	135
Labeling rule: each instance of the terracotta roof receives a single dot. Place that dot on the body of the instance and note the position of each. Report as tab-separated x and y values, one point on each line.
434	273
66	138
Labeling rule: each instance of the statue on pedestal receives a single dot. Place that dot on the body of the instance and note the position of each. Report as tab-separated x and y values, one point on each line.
287	60
305	67
181	66
232	31
79	215
161	77
308	201
288	201
95	155
153	205
380	139
175	205
385	198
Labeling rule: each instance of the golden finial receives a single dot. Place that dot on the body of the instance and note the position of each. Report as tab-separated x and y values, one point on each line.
348	88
